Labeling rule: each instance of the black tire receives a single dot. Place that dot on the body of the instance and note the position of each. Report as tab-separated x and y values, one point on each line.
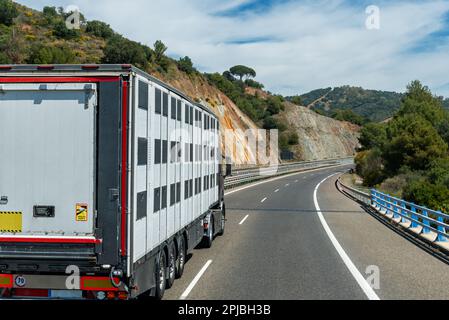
181	259
171	267
223	221
207	240
161	276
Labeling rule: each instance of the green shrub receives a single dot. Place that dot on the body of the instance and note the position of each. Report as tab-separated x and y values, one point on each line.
61	31
423	192
296	100
8	12
120	50
50	14
373	135
185	64
40	54
293	139
99	29
370	167
253	84
349	116
412	141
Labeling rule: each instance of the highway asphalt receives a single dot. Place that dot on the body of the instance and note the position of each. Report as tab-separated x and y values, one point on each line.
276	247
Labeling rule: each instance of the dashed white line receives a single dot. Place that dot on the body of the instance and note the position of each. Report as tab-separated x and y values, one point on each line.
369	292
296	181
244	219
288	184
276	191
263	200
195	281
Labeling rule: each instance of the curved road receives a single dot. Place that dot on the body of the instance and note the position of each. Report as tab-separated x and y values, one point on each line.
277	247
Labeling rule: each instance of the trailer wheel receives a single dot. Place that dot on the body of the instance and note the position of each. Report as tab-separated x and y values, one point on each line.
171	266
223	220
160	276
181	260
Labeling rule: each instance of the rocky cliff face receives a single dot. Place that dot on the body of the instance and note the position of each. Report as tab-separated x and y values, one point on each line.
320	137
230	116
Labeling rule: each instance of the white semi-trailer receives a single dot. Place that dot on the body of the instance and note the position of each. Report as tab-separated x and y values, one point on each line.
108	179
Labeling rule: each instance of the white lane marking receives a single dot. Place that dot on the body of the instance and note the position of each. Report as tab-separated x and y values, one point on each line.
287	184
263	200
296	181
276	191
282	177
244	219
369	292
195	281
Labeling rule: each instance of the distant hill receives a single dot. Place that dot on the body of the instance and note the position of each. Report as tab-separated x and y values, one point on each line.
371	104
374	105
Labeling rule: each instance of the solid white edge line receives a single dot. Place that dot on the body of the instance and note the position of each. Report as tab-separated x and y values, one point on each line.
369	292
282	177
244	219
195	281
263	200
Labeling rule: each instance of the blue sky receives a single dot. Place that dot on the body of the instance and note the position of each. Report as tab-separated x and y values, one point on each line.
294	45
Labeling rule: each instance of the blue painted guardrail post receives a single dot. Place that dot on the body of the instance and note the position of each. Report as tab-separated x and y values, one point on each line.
426	222
396	209
404	212
414	216
383	202
441	229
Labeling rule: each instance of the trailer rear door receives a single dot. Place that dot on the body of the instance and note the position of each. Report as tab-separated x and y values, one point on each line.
47	159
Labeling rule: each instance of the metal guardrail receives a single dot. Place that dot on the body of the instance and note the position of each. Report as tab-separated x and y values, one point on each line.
354	193
244	176
424	223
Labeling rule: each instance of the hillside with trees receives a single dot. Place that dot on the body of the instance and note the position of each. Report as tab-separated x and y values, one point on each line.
409	156
355	104
369	105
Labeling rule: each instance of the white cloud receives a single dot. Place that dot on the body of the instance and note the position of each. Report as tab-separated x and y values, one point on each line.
317	43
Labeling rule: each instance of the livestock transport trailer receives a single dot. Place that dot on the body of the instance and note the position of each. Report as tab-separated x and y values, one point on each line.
108	179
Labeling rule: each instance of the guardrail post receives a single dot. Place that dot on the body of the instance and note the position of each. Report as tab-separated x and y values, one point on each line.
383	203
404	212
396	209
441	229
426	222
373	198
414	217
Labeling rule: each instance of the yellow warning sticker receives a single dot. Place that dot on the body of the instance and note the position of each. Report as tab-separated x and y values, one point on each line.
81	212
10	221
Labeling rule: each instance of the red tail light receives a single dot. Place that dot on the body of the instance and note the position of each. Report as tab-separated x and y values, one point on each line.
91	67
98	284
6	281
37	293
